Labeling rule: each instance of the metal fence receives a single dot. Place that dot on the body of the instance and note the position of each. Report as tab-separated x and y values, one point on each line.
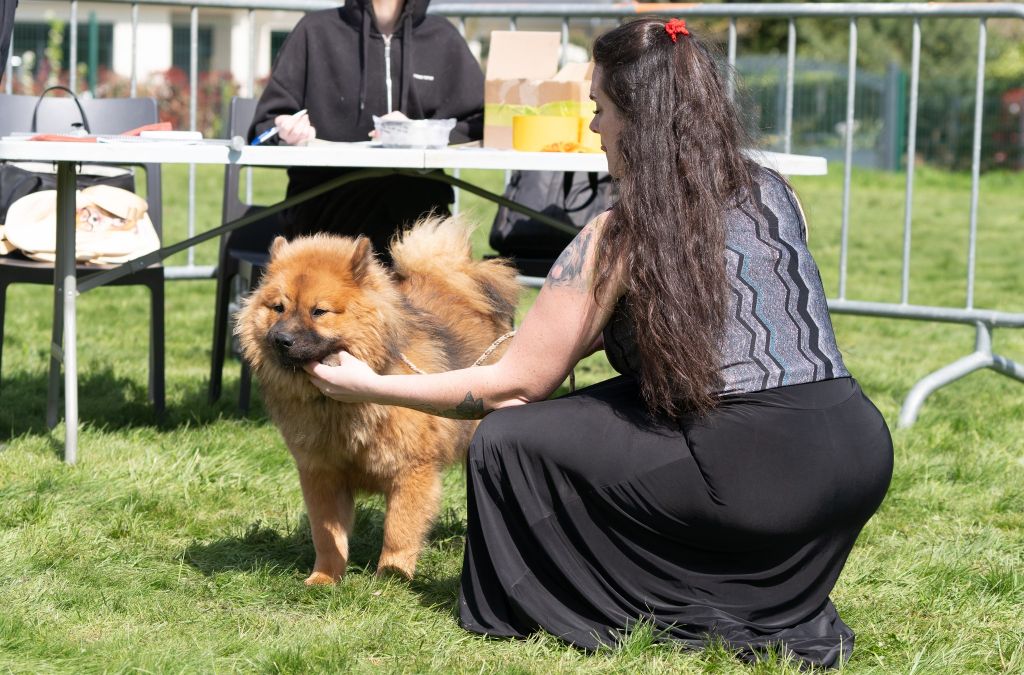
819	109
984	320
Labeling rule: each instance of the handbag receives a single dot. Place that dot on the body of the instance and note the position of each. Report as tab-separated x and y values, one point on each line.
575	198
18	179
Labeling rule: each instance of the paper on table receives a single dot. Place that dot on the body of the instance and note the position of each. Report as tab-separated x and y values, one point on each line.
376	144
321	141
168	135
157	128
186	137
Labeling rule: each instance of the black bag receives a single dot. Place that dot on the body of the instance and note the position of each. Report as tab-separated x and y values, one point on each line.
574	198
18	180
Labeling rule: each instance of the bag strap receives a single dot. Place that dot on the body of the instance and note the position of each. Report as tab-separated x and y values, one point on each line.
593	182
566	185
78	104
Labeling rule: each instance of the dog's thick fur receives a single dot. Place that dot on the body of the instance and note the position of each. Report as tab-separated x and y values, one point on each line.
325	293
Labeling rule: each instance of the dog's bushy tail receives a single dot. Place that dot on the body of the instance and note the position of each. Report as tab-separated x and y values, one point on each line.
434	260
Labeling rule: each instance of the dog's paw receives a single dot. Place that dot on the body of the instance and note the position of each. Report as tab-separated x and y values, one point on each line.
392	570
319	579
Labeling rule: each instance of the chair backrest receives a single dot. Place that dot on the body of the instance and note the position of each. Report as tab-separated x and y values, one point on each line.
104	115
240	115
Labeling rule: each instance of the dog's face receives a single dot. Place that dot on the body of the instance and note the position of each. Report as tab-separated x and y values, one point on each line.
320	295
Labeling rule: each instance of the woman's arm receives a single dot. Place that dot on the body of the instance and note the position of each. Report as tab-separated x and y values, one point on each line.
560	328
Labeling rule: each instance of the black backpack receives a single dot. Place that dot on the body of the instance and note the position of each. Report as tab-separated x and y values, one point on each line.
575	198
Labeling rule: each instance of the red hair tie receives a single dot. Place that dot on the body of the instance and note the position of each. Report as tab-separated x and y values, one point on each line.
676	27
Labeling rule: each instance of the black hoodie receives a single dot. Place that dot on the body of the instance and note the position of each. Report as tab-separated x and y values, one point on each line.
333	64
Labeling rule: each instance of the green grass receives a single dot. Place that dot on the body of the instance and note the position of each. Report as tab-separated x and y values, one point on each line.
180	544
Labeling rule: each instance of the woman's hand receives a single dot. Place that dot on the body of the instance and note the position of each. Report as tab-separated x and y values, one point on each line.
294	130
350	381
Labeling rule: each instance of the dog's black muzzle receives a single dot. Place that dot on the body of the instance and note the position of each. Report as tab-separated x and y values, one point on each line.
296	348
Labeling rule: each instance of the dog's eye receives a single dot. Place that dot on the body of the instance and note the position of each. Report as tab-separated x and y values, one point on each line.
318	312
279	308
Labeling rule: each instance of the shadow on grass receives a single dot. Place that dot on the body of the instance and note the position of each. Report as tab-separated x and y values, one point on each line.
261	547
115	402
441	593
289	551
291	548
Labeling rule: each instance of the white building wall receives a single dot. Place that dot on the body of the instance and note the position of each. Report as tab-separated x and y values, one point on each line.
260	28
154	46
152	41
240	52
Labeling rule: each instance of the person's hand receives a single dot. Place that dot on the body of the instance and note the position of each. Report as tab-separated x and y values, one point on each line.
295	130
348	382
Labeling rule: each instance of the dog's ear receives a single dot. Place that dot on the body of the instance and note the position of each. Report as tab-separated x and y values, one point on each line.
362	257
278	246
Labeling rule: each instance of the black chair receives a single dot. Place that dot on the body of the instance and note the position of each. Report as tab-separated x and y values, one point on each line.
104	116
244	253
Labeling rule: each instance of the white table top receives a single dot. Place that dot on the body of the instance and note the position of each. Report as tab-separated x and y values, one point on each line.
347	155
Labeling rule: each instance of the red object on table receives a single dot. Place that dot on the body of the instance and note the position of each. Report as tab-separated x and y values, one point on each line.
64	138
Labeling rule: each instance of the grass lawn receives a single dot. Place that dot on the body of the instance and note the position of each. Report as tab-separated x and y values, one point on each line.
180	544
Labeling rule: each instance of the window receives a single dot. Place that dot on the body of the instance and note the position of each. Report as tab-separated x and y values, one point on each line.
34	37
181	47
277	38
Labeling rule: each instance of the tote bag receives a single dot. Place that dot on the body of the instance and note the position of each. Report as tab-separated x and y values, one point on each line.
112	225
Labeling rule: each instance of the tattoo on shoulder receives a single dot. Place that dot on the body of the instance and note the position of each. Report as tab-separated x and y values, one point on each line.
470	409
568	268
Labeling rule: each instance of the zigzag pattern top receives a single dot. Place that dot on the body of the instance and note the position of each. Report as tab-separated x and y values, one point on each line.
778	331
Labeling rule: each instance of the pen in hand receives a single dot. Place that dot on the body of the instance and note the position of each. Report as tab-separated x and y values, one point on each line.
272	131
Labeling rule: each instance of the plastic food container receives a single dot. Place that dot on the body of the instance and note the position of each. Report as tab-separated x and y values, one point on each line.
533	133
413	133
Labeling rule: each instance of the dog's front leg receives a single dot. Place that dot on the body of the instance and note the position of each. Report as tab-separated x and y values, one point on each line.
412	505
331	507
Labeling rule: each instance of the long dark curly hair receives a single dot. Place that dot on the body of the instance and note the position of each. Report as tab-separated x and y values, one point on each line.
680	170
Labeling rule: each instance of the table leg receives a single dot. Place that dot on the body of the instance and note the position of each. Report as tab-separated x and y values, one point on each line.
56	342
64	314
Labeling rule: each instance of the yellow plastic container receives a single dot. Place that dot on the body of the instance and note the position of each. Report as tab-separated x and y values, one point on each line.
532	133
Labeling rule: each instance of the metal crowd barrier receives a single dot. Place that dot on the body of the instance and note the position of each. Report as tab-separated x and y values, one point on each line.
984	320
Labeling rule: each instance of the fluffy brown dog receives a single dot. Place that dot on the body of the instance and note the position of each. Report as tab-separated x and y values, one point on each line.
438	308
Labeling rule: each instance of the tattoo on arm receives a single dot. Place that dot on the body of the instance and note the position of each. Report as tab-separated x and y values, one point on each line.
568	268
470	409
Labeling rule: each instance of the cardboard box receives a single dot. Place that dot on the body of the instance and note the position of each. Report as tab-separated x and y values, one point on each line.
583	73
523	79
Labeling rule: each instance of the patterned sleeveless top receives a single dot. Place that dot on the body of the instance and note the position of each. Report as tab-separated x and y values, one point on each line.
777	329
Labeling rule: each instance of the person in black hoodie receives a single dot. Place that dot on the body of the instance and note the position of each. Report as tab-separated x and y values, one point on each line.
345	65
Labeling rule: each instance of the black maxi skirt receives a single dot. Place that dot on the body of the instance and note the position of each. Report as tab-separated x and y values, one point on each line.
587	515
